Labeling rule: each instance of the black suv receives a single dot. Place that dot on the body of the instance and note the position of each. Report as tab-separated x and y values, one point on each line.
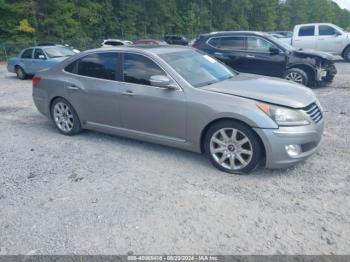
263	54
175	40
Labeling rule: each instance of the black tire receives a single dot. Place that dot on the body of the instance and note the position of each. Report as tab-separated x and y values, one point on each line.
255	144
21	74
329	79
346	54
73	118
296	73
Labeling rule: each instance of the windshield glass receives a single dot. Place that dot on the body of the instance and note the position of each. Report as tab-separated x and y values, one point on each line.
198	69
281	43
58	51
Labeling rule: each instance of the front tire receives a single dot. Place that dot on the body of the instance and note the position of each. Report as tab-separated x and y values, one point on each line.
297	75
21	74
233	147
65	117
347	54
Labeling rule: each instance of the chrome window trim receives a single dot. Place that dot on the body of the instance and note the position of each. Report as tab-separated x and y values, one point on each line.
114	81
242	50
238	50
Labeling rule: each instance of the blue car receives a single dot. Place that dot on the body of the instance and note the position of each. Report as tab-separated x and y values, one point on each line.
33	59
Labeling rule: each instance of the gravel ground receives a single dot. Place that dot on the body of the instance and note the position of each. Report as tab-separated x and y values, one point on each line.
99	194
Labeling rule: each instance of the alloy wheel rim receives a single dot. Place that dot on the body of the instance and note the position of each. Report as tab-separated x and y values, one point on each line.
295	77
231	148
63	117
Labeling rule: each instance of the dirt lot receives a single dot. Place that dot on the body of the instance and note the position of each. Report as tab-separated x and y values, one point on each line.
99	194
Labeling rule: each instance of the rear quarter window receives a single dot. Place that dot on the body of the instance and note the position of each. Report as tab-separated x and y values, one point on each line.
27	53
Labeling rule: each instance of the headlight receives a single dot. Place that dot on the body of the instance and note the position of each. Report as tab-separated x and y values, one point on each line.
284	116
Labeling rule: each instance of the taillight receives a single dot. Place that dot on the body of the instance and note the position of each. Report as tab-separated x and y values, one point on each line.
36	80
194	46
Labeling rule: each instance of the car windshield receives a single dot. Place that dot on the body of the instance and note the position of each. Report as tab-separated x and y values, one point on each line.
278	41
198	69
58	51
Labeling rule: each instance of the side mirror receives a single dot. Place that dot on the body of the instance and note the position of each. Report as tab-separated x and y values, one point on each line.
42	57
161	81
337	34
274	50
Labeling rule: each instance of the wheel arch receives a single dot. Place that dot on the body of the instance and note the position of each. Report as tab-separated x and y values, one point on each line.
346	47
308	69
206	128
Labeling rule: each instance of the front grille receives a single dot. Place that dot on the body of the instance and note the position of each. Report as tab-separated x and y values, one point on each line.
314	112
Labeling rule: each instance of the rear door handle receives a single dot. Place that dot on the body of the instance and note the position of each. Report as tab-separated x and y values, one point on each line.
250	56
128	93
219	54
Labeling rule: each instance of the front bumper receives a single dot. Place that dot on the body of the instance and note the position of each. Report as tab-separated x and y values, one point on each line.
276	140
326	73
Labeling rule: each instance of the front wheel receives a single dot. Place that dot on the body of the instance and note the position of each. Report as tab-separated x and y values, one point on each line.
65	117
233	147
296	75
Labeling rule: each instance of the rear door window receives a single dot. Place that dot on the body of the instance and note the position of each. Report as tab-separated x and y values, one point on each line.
138	69
307	31
99	65
27	54
232	43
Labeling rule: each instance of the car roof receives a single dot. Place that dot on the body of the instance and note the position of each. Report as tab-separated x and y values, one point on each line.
228	33
44	46
312	24
153	49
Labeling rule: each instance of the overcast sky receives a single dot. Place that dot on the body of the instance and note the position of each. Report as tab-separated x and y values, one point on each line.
343	3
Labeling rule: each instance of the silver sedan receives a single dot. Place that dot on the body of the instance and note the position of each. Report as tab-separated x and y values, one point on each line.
180	97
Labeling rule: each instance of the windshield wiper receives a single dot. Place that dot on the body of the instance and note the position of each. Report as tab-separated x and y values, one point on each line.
56	56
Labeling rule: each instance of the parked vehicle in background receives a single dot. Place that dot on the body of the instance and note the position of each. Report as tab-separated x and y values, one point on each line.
180	97
66	45
260	53
149	42
115	42
282	38
286	34
176	40
322	37
33	59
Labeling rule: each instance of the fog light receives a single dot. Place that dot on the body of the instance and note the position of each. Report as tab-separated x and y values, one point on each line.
293	150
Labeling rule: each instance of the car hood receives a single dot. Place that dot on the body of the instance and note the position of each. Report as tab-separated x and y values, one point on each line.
313	53
270	90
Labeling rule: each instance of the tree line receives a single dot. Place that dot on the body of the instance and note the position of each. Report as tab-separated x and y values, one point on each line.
90	21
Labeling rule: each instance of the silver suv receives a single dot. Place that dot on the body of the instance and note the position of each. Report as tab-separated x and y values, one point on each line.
180	97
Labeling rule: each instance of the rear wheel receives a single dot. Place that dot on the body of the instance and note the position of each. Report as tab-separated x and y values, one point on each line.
233	147
347	54
297	75
65	117
21	74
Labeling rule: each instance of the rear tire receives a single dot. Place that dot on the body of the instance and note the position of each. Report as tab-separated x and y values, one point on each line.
297	75
233	147
65	117
21	74
347	54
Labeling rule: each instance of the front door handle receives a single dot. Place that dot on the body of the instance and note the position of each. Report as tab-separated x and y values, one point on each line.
72	87
128	93
250	56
